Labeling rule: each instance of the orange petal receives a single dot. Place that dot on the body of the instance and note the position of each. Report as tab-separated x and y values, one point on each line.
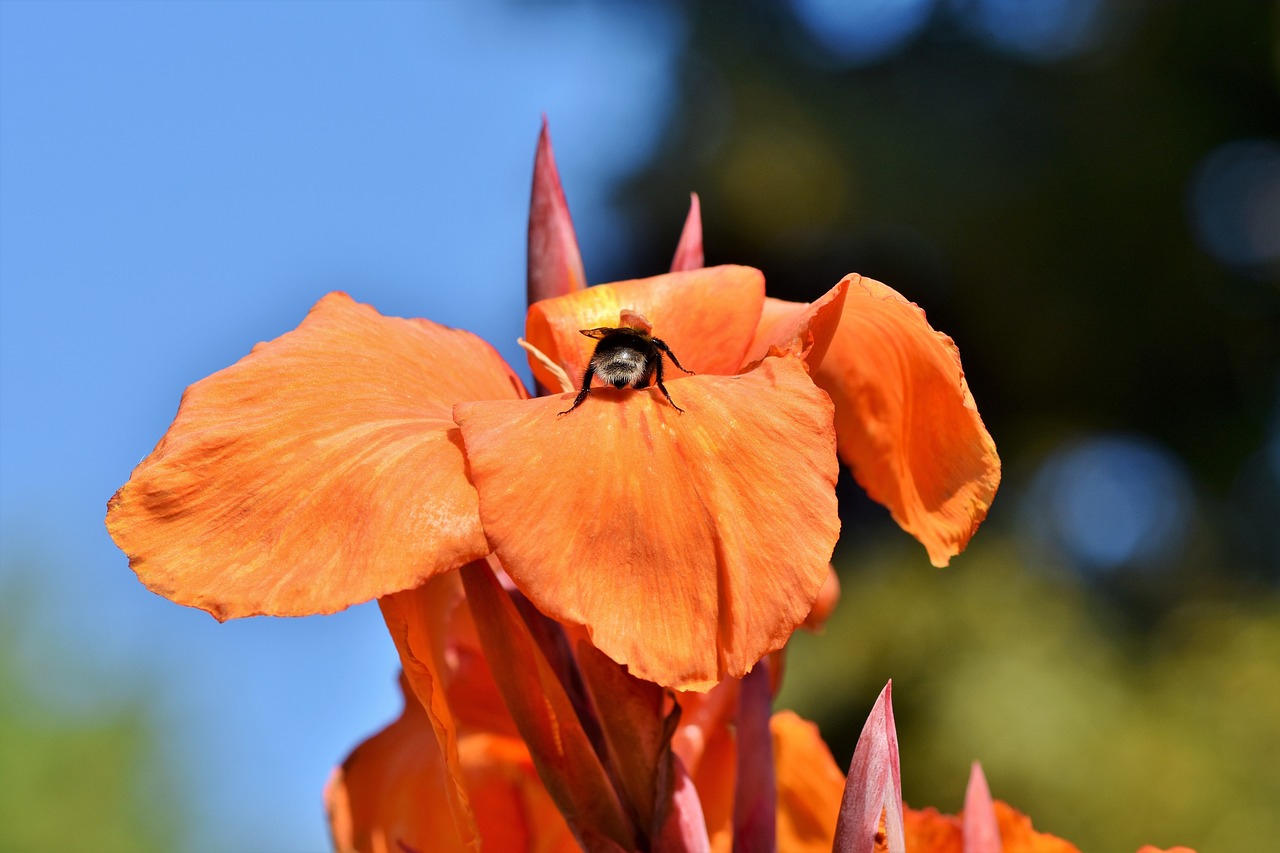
715	775
1017	835
828	598
689	545
797	328
321	470
470	690
389	794
702	717
907	424
706	316
689	250
928	831
512	805
555	265
566	760
636	733
810	785
417	620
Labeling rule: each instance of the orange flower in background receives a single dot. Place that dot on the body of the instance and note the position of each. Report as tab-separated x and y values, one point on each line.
873	817
391	793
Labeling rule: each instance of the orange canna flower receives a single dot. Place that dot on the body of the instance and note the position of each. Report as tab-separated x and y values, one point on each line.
361	455
342	462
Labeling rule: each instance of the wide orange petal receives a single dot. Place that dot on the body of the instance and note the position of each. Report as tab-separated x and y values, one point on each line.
390	793
906	422
688	544
810	785
706	316
798	328
321	470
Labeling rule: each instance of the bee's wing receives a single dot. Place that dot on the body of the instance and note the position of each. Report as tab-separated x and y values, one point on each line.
597	333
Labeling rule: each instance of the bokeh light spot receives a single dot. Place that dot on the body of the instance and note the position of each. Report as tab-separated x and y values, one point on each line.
1235	204
1034	29
862	31
1110	501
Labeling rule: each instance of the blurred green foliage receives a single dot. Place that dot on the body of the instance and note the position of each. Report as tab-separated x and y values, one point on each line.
86	780
1107	736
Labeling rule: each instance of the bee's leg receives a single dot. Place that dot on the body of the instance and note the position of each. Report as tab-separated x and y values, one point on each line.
660	344
663	388
586	389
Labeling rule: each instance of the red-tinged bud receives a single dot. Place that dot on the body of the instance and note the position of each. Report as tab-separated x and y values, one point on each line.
874	786
684	826
689	249
981	829
755	796
544	714
555	264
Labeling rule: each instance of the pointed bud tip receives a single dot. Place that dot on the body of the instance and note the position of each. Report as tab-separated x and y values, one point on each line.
981	828
689	254
554	261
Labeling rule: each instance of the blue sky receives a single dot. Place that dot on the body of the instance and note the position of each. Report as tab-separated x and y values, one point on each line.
179	181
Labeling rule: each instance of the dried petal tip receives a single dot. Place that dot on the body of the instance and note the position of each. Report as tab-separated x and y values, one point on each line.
634	320
981	829
555	264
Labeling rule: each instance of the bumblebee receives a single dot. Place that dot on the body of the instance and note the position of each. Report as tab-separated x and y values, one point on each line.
626	357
